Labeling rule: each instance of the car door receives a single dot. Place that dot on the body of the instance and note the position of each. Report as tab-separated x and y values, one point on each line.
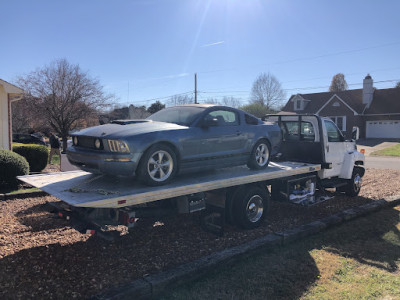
335	148
224	142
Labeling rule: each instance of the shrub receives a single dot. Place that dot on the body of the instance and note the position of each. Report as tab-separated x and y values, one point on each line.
36	155
11	166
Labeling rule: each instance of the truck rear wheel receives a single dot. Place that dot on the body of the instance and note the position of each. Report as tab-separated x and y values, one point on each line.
250	206
353	187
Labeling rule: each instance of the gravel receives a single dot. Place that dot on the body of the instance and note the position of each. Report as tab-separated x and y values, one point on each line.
41	256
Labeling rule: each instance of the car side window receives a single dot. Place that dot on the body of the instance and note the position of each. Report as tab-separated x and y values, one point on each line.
224	117
334	135
250	120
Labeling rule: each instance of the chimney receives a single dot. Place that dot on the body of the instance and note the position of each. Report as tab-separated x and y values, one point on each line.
368	90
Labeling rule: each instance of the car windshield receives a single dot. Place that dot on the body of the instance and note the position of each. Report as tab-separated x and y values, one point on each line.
180	115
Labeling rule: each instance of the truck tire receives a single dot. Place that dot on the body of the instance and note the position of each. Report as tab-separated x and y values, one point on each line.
260	155
250	206
158	165
353	186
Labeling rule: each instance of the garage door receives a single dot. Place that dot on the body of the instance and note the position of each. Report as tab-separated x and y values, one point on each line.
383	129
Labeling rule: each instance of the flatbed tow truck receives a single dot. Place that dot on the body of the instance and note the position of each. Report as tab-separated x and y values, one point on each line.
314	156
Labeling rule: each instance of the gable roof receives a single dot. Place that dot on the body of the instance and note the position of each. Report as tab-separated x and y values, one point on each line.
386	101
10	88
353	99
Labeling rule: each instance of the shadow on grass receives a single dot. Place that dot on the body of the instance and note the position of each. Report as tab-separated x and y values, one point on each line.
85	268
289	272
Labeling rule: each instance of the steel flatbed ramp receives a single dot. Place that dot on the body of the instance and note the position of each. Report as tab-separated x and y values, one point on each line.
83	189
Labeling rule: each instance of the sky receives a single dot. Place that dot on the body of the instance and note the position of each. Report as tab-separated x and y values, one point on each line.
147	50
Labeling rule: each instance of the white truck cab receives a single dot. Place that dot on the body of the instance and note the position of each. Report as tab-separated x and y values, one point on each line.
315	139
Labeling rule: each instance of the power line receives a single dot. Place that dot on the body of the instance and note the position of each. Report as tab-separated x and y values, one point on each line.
155	99
202	94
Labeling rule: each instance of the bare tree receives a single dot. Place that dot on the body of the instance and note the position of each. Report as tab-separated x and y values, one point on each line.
267	91
227	101
397	86
22	119
64	96
138	112
180	100
231	101
338	83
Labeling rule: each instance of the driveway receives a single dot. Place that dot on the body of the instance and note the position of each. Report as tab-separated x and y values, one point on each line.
378	162
382	162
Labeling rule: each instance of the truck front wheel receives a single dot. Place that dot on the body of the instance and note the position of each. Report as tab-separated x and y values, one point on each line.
250	206
353	187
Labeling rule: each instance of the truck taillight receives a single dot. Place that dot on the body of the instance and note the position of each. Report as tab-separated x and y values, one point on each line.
127	218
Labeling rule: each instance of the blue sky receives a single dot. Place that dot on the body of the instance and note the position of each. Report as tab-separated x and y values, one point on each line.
142	50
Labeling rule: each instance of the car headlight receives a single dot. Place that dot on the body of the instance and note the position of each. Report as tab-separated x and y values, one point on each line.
97	144
118	146
75	140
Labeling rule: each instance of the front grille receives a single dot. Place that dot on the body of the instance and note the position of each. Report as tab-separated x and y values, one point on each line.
88	142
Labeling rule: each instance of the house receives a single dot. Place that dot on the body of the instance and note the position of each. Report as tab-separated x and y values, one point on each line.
8	93
376	112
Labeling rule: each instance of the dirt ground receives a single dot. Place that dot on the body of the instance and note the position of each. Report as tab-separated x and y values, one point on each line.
41	256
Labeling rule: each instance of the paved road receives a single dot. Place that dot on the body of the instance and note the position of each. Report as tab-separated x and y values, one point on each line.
381	162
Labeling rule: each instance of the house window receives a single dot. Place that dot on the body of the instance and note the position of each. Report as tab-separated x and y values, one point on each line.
298	105
340	122
336	104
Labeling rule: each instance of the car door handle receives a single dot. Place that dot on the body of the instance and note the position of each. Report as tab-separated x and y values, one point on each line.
238	132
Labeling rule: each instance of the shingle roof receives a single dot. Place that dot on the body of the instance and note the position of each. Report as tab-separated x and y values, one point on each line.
386	101
353	98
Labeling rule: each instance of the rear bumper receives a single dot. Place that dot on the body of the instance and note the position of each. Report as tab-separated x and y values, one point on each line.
104	163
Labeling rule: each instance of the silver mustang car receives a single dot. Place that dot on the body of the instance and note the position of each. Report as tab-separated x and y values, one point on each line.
176	139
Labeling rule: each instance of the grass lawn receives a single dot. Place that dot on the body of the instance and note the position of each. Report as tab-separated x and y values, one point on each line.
25	190
389	151
357	260
55	159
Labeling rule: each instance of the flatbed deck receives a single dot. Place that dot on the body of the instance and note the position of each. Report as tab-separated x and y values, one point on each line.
83	189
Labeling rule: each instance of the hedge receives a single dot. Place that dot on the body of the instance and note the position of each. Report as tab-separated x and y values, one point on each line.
11	166
36	155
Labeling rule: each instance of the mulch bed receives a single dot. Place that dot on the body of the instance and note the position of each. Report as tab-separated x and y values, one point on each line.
41	256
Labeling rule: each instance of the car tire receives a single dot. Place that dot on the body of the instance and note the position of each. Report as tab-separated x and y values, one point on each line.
250	206
158	165
353	186
260	155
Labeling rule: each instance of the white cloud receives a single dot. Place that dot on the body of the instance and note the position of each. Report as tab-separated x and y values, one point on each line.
213	44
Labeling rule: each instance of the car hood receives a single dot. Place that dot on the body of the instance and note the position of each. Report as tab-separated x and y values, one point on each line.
129	128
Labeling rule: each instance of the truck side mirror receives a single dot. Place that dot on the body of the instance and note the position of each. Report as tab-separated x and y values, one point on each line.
355	134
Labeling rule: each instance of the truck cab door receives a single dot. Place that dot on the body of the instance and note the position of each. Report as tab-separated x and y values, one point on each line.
334	148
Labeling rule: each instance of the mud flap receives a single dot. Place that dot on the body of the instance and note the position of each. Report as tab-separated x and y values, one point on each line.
213	217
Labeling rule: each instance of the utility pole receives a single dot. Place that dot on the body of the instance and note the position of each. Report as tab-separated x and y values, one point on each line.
195	88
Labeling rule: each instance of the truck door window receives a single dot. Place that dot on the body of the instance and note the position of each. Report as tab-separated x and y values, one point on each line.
291	131
334	134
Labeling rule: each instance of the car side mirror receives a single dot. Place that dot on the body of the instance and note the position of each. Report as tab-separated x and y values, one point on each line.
355	134
209	123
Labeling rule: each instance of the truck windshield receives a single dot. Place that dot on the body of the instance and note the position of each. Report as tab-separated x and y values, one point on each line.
180	115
